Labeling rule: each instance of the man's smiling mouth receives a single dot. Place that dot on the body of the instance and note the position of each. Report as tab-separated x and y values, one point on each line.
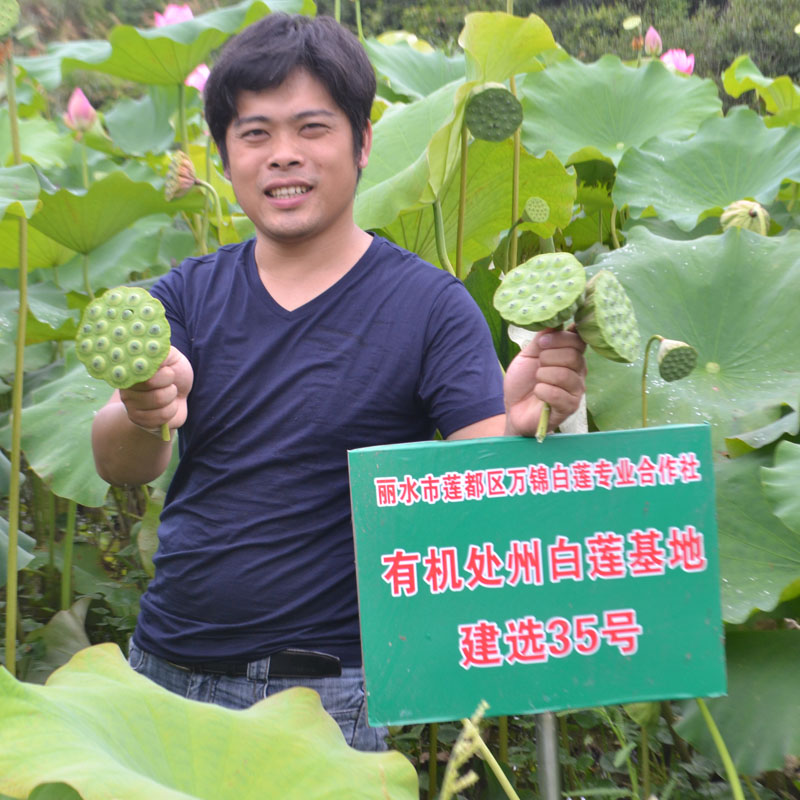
288	191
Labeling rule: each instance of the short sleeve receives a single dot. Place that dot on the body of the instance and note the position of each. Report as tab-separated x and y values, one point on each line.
169	290
461	381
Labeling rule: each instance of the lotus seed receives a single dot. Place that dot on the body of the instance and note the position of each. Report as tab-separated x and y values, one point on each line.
113	298
98	363
111	313
101	326
119	334
119	373
135	347
101	343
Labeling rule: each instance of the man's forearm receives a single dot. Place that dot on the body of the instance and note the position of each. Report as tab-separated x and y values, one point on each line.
125	454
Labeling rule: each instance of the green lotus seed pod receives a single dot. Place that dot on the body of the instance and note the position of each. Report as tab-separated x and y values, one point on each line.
541	290
492	112
127	358
676	359
745	214
536	210
606	321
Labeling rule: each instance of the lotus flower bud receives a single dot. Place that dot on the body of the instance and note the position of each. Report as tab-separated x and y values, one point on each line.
676	359
173	13
80	114
652	42
180	176
745	214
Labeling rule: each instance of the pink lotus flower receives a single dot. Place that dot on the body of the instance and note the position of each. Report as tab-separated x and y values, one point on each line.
80	114
652	42
679	61
198	77
173	13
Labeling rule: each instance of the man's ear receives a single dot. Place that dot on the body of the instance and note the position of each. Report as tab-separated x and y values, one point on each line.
366	146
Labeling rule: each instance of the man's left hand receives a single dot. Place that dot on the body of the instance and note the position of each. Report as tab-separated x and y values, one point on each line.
550	369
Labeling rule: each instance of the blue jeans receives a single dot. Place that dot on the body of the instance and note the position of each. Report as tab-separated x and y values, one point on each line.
342	698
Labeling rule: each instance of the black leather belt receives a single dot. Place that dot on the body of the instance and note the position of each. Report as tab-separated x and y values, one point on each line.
284	664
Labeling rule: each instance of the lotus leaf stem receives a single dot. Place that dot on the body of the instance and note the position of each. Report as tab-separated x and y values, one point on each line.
441	243
730	769
502	741
337	10
66	566
512	260
183	131
795	190
16	394
462	202
654	338
433	764
87	285
645	758
614	238
358	21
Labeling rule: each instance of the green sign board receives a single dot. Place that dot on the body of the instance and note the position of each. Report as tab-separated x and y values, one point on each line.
575	572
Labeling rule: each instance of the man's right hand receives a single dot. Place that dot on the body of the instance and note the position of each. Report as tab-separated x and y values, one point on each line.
126	432
162	398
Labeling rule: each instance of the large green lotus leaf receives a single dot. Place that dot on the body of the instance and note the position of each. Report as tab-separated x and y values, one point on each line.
25	545
49	318
19	190
43	252
47	68
84	221
40	141
397	174
137	741
763	427
587	111
60	639
143	126
168	54
729	159
413	73
760	718
150	246
56	427
780	95
759	555
488	205
731	297
781	484
523	39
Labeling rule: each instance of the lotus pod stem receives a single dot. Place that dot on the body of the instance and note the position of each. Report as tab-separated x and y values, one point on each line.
676	360
123	338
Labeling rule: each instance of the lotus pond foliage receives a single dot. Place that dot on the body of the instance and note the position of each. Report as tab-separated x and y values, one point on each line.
629	168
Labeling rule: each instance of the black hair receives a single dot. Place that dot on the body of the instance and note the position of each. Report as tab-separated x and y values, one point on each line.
265	53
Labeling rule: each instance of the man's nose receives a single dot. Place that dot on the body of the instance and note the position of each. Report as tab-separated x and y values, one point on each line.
286	151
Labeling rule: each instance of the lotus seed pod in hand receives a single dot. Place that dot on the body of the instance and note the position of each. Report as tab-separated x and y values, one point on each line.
542	292
123	336
605	320
746	214
492	112
676	359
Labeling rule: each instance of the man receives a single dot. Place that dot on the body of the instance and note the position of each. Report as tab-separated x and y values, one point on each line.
289	349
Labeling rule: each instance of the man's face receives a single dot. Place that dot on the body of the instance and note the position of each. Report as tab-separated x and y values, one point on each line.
290	160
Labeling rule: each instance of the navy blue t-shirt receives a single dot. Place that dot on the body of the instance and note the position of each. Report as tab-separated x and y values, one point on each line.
255	544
